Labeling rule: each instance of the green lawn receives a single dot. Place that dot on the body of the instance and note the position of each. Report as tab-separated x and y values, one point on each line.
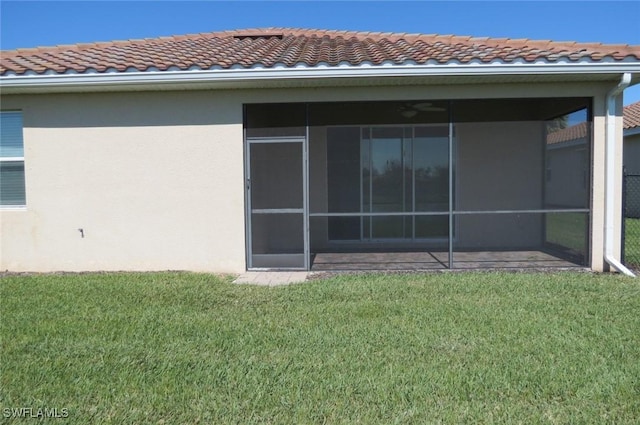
567	230
181	348
632	242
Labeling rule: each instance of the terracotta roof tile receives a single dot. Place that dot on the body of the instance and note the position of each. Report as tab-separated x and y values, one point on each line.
268	47
575	132
632	115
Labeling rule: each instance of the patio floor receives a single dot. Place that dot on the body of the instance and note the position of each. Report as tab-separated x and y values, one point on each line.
434	260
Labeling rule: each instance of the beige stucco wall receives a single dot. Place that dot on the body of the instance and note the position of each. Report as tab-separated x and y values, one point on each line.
155	179
498	167
598	262
597	184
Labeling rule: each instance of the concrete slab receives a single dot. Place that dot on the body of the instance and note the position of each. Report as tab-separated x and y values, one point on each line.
271	278
437	260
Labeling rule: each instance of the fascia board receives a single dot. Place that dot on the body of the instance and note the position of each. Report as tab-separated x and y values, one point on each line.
242	77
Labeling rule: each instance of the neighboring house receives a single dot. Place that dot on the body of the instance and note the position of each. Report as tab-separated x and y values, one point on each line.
632	138
632	158
287	148
567	165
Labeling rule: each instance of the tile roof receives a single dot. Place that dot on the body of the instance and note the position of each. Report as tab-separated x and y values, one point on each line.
632	115
575	132
286	47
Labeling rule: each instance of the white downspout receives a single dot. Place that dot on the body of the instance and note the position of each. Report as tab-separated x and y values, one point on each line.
610	158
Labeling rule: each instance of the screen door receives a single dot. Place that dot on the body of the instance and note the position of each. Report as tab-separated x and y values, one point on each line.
276	203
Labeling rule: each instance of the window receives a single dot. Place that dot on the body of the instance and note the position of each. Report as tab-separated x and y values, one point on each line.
12	192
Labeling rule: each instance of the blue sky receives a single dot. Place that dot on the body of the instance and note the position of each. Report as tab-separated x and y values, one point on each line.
45	23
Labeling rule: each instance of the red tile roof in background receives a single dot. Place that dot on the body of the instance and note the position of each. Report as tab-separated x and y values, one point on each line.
631	120
575	132
271	47
632	115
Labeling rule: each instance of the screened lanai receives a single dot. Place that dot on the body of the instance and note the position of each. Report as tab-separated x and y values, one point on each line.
419	184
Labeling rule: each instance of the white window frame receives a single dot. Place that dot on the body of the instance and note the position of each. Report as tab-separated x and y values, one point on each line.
5	159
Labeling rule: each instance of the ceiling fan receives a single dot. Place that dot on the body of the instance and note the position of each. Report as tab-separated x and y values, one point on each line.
409	110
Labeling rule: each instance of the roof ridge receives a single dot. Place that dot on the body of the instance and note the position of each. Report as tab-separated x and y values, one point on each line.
633	105
398	35
308	32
